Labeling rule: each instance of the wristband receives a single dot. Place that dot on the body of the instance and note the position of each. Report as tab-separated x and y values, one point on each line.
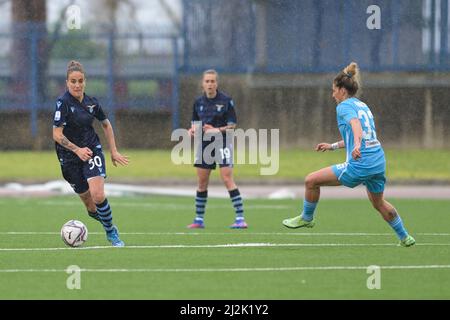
335	146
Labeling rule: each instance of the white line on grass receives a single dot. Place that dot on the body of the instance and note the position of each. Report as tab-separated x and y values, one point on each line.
269	269
230	245
166	205
233	233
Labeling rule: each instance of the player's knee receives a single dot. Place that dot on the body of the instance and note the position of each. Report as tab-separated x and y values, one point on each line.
98	197
310	181
85	197
378	205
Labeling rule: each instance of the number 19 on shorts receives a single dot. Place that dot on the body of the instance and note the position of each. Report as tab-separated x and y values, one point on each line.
225	153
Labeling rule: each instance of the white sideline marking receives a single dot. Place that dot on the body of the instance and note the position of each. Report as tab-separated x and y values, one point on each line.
166	205
270	269
230	245
245	233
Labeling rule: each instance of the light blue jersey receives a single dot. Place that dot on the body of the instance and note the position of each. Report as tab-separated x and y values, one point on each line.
372	159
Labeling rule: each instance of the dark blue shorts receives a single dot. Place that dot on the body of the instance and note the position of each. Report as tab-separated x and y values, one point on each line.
77	173
214	152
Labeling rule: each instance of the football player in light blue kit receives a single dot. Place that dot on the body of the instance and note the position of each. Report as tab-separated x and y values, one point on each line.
365	162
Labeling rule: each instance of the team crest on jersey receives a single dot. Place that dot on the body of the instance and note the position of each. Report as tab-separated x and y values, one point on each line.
91	108
219	107
72	109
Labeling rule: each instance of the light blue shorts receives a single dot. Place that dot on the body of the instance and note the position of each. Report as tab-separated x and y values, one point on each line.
347	177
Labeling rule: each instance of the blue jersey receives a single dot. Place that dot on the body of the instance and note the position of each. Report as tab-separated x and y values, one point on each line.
372	159
77	118
217	112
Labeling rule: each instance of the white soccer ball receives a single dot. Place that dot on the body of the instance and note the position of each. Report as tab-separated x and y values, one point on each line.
74	233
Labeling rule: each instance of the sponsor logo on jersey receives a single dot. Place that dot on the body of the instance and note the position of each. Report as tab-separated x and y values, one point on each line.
73	109
201	108
372	143
58	104
219	107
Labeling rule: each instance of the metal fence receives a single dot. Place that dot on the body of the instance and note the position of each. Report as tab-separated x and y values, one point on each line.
315	35
124	71
141	70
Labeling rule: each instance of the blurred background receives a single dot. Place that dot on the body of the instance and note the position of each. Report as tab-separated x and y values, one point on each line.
277	58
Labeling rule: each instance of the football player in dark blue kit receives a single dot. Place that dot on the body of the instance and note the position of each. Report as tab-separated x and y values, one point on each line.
79	150
215	110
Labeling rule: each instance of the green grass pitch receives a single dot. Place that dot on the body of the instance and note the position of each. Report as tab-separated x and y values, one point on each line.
294	165
164	260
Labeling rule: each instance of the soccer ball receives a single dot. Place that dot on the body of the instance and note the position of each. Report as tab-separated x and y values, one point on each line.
74	233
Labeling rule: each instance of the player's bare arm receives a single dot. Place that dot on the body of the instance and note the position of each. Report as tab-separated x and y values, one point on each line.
191	130
227	127
83	153
210	129
357	134
323	146
116	157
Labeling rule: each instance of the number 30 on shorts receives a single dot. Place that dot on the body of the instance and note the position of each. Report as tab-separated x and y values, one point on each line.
96	162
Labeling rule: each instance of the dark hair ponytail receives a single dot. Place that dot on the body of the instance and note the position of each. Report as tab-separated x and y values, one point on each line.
73	66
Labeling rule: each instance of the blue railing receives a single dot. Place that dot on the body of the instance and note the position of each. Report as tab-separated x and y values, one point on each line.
302	36
141	70
124	71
